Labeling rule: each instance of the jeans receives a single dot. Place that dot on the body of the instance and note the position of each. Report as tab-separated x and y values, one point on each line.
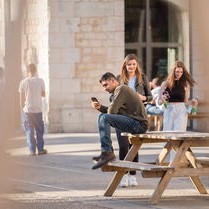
121	122
153	110
33	124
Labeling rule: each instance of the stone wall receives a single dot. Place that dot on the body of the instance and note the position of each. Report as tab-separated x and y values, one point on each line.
86	39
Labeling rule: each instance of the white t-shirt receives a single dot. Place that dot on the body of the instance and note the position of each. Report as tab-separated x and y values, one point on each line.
155	92
32	88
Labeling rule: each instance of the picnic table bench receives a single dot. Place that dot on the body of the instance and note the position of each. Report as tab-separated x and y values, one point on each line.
184	164
156	121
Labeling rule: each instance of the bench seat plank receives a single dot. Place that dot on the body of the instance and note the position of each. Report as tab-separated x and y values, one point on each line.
128	165
203	160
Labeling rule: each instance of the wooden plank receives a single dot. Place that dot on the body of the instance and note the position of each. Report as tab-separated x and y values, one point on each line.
203	160
164	181
127	165
138	140
113	184
198	116
168	135
133	151
200	143
108	168
198	184
152	174
185	172
164	153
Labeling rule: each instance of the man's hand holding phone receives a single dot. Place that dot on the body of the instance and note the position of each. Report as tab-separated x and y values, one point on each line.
95	103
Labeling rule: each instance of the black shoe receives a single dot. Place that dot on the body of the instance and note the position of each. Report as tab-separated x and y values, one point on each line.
104	159
42	152
96	158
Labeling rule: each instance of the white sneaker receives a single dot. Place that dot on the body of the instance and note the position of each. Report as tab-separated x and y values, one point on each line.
124	181
132	180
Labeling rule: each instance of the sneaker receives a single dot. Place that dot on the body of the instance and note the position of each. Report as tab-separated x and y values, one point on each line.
132	180
124	181
104	159
42	152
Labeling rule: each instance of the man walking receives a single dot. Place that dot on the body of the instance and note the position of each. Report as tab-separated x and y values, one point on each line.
126	112
32	90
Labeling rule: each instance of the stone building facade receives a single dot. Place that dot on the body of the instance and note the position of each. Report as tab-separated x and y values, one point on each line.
73	42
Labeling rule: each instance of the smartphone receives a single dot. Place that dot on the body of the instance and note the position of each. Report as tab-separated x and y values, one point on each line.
94	99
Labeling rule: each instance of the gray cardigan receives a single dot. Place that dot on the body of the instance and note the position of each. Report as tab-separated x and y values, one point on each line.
142	88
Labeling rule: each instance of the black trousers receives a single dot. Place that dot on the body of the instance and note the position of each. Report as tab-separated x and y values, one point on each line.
124	147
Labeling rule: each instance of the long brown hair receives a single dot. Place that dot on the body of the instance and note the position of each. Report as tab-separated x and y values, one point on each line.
124	74
185	79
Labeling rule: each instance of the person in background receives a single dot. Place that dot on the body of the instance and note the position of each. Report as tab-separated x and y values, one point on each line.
153	82
126	113
151	107
132	76
174	94
32	90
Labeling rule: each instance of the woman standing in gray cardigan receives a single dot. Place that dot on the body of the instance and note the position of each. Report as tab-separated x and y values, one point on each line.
132	75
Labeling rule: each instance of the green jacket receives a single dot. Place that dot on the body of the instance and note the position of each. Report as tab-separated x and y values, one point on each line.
124	101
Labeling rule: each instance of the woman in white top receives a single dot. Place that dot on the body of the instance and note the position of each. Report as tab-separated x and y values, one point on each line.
174	93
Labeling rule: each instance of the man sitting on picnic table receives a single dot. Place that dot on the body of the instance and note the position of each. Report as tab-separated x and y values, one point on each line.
126	112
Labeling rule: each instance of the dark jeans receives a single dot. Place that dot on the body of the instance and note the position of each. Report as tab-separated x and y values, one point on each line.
120	122
33	124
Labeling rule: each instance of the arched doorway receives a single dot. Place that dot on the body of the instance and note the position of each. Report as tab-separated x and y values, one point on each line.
155	31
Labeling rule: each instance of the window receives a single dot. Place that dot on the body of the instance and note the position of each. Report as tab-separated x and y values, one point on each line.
154	31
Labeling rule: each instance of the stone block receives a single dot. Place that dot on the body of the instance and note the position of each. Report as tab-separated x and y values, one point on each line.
69	86
70	25
70	55
60	70
61	40
62	9
75	120
96	9
55	55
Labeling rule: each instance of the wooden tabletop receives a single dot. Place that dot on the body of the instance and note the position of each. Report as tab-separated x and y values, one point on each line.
170	135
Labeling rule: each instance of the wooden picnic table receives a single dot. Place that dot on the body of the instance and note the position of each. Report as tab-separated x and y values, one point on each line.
184	164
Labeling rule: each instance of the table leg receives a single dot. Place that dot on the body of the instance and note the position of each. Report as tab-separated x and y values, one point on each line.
195	179
132	152
119	174
183	147
114	183
165	151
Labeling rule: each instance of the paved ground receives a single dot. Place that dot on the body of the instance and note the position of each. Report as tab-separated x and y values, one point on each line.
64	179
